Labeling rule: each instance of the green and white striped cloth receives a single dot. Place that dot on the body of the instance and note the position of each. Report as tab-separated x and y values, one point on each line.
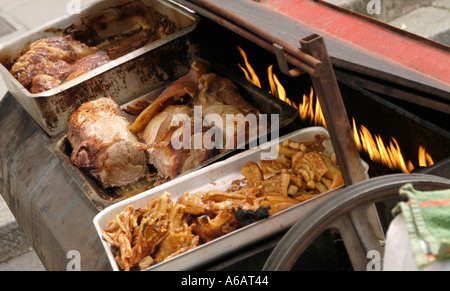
427	216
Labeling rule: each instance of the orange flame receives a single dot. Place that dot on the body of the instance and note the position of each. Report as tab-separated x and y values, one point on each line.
376	149
310	110
425	160
250	74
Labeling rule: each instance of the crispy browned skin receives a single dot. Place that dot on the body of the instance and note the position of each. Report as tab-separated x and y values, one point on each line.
220	96
217	90
87	64
217	96
103	146
48	61
184	86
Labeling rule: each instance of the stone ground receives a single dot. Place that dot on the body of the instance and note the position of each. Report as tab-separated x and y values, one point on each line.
427	18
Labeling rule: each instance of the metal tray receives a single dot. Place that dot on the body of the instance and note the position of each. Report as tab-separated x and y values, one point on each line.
102	198
124	78
219	176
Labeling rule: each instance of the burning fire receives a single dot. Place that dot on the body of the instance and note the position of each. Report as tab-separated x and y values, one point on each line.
376	149
310	110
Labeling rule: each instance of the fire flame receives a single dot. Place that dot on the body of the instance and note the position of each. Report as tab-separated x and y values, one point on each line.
376	149
425	160
310	110
250	75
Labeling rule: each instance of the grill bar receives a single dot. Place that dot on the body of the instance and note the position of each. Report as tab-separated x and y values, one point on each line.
304	62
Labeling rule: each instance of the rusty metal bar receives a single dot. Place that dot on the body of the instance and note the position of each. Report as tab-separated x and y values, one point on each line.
283	63
335	114
224	13
389	85
347	153
302	61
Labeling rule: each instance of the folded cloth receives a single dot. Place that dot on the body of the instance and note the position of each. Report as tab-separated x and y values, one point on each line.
427	217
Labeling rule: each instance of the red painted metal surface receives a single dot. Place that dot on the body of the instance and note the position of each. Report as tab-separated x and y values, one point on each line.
372	36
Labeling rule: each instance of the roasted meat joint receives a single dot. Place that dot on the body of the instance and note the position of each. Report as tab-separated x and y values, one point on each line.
104	146
153	135
50	61
114	151
96	40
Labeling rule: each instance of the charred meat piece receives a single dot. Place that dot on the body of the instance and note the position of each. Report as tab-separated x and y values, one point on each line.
103	145
122	29
248	216
151	234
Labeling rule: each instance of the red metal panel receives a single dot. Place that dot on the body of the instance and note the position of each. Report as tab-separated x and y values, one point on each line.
387	42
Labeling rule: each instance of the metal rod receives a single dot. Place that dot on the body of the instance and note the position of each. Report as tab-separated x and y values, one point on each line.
304	57
347	153
296	57
283	63
335	114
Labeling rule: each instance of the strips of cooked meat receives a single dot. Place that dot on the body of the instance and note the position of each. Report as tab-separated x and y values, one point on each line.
142	237
103	145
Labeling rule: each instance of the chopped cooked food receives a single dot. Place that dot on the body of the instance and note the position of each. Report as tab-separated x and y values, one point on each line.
136	234
301	172
103	145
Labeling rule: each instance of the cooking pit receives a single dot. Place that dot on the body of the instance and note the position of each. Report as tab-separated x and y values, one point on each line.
393	136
